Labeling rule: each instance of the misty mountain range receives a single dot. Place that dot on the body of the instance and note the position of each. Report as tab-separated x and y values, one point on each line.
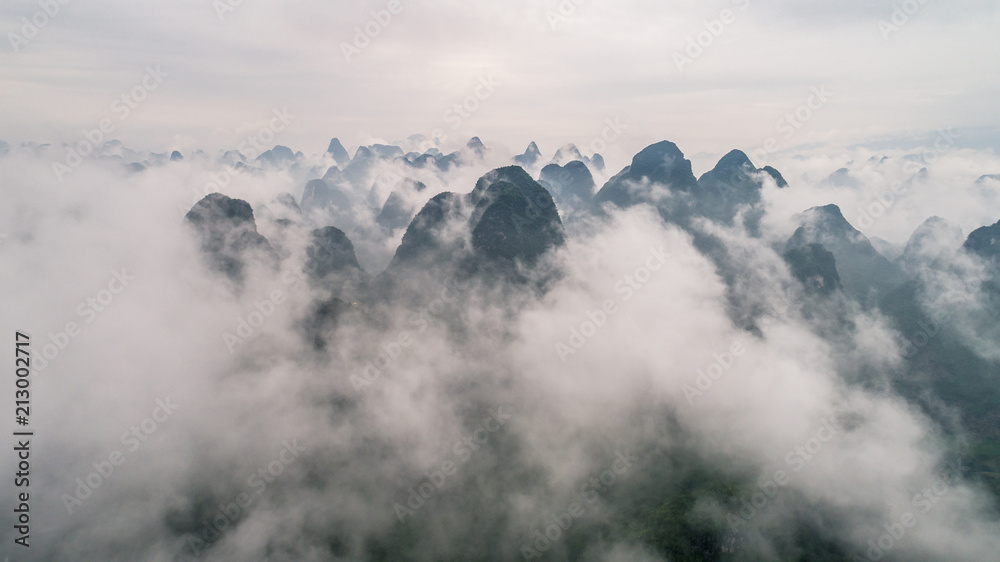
504	237
543	360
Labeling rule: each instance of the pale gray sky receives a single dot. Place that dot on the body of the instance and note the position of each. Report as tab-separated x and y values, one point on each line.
605	59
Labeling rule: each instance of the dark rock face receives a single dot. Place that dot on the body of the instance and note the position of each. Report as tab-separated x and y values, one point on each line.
332	266
815	267
778	178
735	167
985	242
338	152
734	183
514	221
661	163
728	186
176	156
512	174
330	252
423	243
228	234
664	163
572	185
319	195
863	271
530	158
514	226
510	219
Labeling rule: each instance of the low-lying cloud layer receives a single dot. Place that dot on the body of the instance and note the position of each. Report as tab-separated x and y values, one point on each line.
185	415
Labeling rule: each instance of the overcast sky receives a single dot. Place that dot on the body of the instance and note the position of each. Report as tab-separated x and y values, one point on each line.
556	79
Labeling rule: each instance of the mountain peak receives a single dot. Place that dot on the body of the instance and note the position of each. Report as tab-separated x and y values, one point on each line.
228	233
663	153
862	269
933	241
530	157
476	146
567	153
829	220
985	241
776	175
734	160
330	251
387	151
278	155
661	163
319	194
338	152
571	185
